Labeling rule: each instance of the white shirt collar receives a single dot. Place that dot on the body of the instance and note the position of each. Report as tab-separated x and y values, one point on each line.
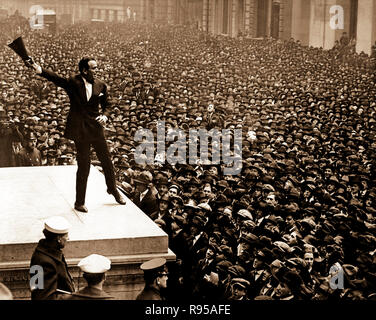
143	194
89	88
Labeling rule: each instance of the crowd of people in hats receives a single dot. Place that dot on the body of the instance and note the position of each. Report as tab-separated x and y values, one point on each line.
300	213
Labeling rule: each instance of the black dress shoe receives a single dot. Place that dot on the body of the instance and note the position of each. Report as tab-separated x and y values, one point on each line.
81	208
119	199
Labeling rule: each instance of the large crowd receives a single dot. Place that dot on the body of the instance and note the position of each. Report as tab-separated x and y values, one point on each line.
301	211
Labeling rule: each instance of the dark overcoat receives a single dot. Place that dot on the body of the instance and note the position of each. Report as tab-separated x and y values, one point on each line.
90	293
55	272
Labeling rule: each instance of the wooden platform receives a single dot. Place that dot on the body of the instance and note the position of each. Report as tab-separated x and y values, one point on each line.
31	194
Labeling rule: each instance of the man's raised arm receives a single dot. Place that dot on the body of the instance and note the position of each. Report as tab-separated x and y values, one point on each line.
48	74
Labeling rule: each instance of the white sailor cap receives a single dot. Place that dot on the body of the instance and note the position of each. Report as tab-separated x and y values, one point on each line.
95	263
57	224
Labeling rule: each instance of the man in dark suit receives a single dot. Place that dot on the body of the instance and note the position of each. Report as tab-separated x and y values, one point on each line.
85	123
145	195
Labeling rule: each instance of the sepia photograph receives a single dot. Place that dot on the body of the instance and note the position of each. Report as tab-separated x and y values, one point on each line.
196	152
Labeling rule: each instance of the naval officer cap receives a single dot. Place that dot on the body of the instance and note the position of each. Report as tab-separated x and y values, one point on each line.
95	263
153	265
57	224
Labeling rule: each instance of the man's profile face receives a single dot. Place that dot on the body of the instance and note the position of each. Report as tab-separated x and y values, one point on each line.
63	239
89	74
282	290
163	280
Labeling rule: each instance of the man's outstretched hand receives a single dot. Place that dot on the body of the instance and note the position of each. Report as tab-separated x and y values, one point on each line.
31	64
102	119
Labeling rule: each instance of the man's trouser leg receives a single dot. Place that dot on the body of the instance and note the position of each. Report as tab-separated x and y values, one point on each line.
104	157
83	162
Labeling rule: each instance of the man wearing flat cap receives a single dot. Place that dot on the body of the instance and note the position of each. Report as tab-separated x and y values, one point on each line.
94	268
239	289
155	276
49	255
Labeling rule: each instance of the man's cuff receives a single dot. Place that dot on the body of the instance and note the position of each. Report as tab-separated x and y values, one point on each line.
39	70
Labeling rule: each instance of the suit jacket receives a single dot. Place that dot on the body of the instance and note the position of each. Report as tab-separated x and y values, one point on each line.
148	204
55	271
81	124
89	293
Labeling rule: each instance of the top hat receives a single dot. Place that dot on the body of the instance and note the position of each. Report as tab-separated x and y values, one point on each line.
18	47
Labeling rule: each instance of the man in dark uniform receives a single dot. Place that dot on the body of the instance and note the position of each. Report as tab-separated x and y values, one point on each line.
30	155
155	276
94	268
9	133
48	255
85	124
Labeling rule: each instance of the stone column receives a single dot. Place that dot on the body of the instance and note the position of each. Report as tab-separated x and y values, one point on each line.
146	10
300	21
218	18
321	34
205	8
169	12
234	28
102	14
366	27
211	16
285	19
250	18
269	18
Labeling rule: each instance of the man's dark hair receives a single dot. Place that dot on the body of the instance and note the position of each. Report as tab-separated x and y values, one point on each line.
93	278
50	236
84	63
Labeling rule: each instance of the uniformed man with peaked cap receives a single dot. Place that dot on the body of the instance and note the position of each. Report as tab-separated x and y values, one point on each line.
155	276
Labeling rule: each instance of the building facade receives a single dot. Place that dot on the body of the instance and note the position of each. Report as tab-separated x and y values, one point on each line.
309	21
317	23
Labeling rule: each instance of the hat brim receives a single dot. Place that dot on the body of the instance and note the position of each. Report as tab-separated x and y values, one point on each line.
191	206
